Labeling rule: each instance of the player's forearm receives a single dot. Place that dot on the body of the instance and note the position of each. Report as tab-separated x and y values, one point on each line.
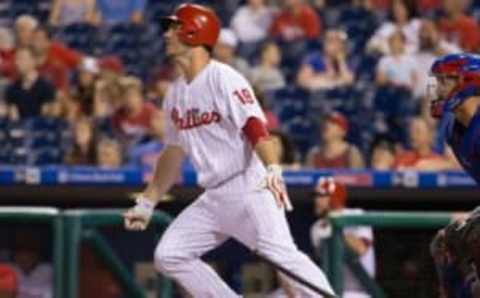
166	172
267	151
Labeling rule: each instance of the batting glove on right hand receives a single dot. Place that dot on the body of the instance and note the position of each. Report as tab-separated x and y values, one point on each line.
274	182
138	217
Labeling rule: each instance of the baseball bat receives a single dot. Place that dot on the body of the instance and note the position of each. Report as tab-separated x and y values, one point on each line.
296	278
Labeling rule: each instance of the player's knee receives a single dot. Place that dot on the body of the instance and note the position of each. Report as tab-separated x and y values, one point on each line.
166	261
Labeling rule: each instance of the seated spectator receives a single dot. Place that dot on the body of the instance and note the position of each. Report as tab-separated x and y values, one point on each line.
7	54
251	21
133	120
273	122
83	148
55	60
403	19
431	46
126	11
330	69
88	73
25	26
35	278
267	76
296	21
382	156
145	155
421	156
8	282
335	151
457	27
287	154
66	12
29	95
397	68
224	51
109	154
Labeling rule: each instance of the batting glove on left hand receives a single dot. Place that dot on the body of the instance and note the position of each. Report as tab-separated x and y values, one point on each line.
138	217
274	182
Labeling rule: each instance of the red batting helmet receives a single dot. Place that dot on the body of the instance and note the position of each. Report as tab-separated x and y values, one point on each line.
328	187
199	24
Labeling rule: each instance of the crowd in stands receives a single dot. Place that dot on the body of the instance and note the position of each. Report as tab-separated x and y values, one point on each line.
342	82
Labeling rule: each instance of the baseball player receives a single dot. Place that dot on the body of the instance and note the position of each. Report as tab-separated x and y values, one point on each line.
214	118
457	101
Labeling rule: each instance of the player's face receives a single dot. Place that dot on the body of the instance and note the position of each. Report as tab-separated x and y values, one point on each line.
441	86
173	46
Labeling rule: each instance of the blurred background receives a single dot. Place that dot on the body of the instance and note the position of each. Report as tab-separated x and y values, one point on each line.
343	84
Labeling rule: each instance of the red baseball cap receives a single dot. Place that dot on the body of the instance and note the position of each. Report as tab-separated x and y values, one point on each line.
339	119
111	63
337	192
8	279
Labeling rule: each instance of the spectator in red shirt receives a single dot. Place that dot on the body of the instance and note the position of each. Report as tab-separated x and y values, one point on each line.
7	53
8	282
335	151
296	21
459	28
54	59
421	156
133	120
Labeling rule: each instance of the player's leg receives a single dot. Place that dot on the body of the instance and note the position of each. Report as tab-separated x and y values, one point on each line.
191	234
265	229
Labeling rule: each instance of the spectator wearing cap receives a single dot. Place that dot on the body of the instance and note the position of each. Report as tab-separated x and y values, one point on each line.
403	18
331	197
125	11
55	60
8	282
133	120
335	151
25	26
267	76
66	12
421	156
30	94
224	51
88	73
457	27
328	69
252	20
296	21
397	68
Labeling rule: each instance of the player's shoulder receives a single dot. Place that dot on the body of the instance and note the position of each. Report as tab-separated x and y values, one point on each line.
224	71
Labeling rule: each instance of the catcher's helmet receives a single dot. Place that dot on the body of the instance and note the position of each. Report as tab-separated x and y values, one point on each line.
199	24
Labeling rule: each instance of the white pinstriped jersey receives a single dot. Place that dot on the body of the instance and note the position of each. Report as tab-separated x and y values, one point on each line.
205	118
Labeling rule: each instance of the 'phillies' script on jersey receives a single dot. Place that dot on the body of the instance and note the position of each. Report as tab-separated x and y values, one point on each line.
194	118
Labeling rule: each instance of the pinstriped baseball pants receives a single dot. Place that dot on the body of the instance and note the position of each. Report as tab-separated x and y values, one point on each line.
252	218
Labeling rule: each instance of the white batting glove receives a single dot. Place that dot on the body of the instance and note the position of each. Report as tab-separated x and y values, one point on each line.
138	217
275	183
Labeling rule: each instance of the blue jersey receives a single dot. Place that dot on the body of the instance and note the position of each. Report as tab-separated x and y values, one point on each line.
465	143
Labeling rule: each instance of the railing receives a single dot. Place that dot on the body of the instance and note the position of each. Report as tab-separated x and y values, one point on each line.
69	228
338	254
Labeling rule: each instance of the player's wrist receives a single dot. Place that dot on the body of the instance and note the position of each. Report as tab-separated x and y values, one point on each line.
144	206
275	169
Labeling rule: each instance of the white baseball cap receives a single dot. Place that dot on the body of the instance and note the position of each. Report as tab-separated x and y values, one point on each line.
90	64
228	37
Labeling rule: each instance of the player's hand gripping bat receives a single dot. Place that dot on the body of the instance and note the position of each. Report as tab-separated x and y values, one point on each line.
138	217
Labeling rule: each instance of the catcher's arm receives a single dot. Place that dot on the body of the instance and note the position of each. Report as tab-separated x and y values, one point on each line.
166	172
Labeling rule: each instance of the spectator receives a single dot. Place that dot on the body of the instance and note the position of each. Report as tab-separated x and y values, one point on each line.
29	95
35	278
66	12
8	282
88	73
133	120
287	154
431	46
397	68
404	20
335	151
421	156
7	54
55	61
114	11
297	21
329	70
25	26
145	155
82	151
251	21
109	154
382	156
457	27
332	197
272	120
267	76
224	51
